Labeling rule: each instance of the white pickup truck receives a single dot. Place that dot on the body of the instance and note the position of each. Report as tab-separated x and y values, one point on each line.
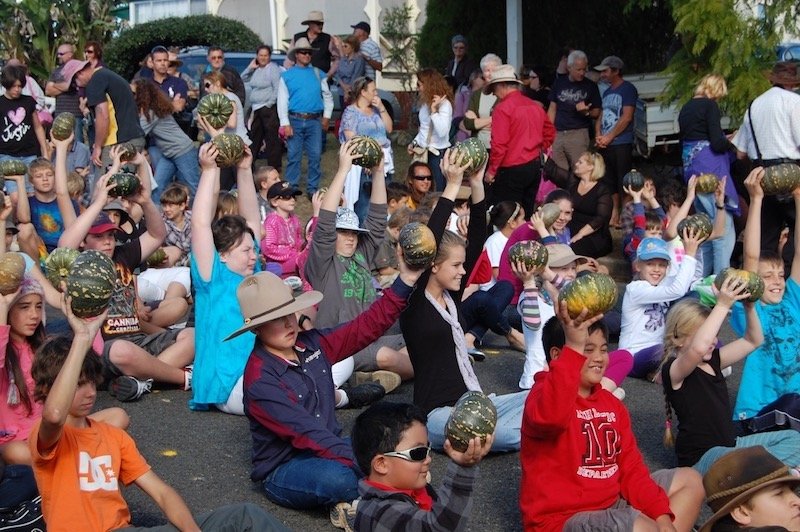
654	123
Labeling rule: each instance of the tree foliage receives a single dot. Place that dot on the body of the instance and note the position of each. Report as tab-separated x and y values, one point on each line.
400	52
124	53
32	30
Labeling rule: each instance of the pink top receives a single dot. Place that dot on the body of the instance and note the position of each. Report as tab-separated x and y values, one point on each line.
283	241
15	420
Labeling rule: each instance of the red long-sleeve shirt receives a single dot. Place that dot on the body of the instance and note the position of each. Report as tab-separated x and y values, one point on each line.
520	131
579	454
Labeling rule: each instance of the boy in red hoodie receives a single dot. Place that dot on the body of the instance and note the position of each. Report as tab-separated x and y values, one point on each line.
581	467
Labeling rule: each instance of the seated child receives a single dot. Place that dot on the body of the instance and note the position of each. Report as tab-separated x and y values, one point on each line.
577	439
560	228
646	301
646	223
749	489
384	264
396	197
79	462
178	219
391	445
76	188
283	237
264	177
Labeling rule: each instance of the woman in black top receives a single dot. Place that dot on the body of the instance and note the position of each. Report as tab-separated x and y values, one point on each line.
434	327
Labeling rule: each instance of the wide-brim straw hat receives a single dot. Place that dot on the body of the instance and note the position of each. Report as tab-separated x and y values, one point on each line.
314	16
264	296
300	44
503	73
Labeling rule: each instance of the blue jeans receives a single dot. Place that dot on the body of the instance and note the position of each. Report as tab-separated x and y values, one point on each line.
716	253
184	167
484	310
17	486
784	444
509	422
307	481
436	170
307	136
11	185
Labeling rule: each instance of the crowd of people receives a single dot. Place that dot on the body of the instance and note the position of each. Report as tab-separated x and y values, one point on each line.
222	290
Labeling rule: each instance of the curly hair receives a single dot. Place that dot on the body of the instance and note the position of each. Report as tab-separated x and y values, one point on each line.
433	84
149	98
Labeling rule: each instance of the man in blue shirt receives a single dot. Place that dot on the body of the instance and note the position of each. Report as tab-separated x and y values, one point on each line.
305	106
614	129
172	86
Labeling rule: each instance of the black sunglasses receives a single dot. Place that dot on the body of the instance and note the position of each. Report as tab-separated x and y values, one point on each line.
417	454
423	177
303	52
207	85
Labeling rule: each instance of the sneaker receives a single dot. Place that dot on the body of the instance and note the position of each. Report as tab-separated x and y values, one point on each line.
365	394
343	515
127	388
476	354
187	377
388	379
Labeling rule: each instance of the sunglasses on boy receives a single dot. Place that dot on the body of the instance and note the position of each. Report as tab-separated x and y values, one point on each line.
415	454
423	177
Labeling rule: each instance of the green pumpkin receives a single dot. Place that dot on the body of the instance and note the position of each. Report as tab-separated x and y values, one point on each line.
550	213
58	265
781	179
369	150
531	253
474	414
91	283
597	292
125	184
700	223
474	152
216	108
157	258
127	152
755	284
230	149
12	270
418	245
63	126
12	167
706	183
633	180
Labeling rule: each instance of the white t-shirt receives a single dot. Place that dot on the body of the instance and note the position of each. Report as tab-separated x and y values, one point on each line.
494	249
776	121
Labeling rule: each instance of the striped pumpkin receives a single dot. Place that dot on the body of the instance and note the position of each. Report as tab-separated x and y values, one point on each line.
706	183
781	178
473	415
700	223
11	167
58	265
125	184
368	149
474	152
417	244
531	253
755	284
63	126
91	283
597	292
216	108
230	149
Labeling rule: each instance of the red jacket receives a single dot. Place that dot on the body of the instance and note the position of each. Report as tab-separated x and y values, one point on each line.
579	454
520	131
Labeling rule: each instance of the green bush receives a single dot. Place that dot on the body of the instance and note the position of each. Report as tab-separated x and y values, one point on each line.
124	53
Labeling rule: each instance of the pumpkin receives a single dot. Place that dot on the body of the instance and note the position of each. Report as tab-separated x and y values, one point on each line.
473	415
11	167
754	282
706	183
91	283
58	265
125	184
230	149
418	245
12	269
633	180
529	252
700	223
781	178
550	213
216	109
473	150
597	292
157	258
63	126
369	150
127	152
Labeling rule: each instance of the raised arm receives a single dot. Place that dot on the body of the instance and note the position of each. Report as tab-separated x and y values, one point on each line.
247	199
752	230
65	206
683	211
203	209
156	228
719	203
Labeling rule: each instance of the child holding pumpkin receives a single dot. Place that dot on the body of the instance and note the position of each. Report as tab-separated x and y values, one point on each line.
691	374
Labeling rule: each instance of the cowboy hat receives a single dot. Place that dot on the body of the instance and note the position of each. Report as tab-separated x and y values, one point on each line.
737	476
503	73
72	67
784	73
300	44
314	16
264	297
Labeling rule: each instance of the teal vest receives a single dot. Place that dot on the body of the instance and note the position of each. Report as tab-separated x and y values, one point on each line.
305	93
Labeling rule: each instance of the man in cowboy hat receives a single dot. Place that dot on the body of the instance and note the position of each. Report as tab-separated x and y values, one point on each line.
770	135
299	454
749	489
305	106
324	48
520	132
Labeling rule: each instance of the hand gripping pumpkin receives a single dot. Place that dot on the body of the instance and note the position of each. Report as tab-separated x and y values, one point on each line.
706	183
633	180
699	223
11	167
125	184
597	292
230	149
550	213
531	253
216	109
369	150
90	283
58	265
753	281
63	126
474	153
474	414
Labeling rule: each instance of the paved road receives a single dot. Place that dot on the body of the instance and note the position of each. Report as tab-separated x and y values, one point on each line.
205	455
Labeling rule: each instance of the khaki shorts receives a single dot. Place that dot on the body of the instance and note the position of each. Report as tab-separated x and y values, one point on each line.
154	344
618	518
367	358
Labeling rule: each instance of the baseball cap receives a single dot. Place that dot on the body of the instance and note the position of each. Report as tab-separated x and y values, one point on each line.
612	61
102	224
560	255
362	26
283	189
653	248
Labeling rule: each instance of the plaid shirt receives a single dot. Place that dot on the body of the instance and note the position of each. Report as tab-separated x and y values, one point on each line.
383	511
180	238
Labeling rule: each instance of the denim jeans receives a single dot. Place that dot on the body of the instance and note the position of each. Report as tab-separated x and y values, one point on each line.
716	253
307	481
184	168
11	185
783	444
17	486
484	310
307	136
509	422
242	516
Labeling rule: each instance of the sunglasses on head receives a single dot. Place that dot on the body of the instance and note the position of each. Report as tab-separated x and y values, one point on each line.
423	177
416	454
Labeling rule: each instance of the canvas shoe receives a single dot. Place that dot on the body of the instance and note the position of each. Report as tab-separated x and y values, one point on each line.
365	394
388	379
343	515
127	388
187	377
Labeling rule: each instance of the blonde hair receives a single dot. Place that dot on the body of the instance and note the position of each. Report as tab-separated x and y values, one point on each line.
712	86
75	185
598	164
449	240
683	320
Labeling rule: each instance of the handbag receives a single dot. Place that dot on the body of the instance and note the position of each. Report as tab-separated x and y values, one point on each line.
420	154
